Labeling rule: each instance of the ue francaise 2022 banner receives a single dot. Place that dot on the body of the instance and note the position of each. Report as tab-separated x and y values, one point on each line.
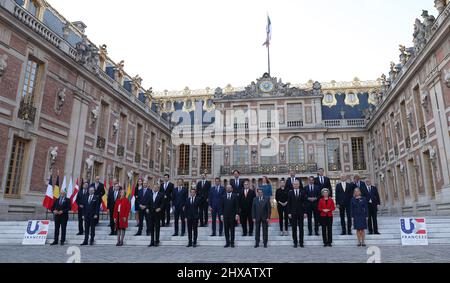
414	231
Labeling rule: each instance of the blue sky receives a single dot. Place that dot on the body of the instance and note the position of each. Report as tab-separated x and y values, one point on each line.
172	44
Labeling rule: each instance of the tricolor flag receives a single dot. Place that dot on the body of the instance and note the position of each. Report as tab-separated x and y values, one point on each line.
56	189
129	190
269	32
73	199
70	189
48	199
133	198
64	185
105	197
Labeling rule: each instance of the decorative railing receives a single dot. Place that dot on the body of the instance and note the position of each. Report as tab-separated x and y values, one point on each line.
205	170
359	166
183	171
120	150
267	125
240	126
352	123
270	169
423	132
101	142
333	167
295	124
27	111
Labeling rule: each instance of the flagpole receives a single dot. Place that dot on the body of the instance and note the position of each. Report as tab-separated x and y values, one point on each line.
268	57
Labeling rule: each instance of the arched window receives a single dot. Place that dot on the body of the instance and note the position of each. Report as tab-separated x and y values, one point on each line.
269	151
296	151
240	153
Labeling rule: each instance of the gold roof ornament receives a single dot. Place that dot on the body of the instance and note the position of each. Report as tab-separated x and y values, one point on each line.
351	98
329	99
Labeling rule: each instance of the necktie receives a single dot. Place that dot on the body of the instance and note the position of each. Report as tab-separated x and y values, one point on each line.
217	189
293	181
237	183
203	184
61	201
296	193
310	189
229	196
321	180
192	200
260	199
115	195
90	199
246	192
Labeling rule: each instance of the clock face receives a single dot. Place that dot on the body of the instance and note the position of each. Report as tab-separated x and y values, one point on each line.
266	86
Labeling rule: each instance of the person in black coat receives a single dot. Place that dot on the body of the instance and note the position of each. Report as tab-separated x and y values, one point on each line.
323	182
79	200
99	192
143	202
344	195
357	183
237	183
203	188
179	197
230	215
192	212
113	195
215	200
261	211
291	180
166	188
313	193
373	199
91	212
296	209
154	211
60	210
281	197
245	208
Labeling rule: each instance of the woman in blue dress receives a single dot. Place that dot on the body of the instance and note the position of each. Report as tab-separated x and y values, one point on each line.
360	213
266	187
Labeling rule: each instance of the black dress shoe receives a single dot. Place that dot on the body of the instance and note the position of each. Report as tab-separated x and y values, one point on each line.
189	245
265	246
250	235
330	245
227	246
80	233
310	234
244	235
317	234
232	245
349	233
111	234
175	235
148	233
118	244
62	243
295	246
213	235
343	234
221	235
54	243
376	233
194	245
91	243
182	235
84	244
151	245
325	245
256	246
156	244
302	246
138	234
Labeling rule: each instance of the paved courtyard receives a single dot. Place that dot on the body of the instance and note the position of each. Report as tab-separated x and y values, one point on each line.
112	254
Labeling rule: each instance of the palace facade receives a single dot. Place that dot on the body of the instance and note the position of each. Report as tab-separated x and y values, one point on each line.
66	107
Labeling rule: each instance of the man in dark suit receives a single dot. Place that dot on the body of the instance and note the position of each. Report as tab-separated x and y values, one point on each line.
192	212
344	195
143	203
296	212
357	183
373	201
237	183
179	197
113	195
60	210
245	205
79	200
313	193
99	192
261	211
230	214
91	212
154	210
323	182
215	198
166	188
203	188
291	180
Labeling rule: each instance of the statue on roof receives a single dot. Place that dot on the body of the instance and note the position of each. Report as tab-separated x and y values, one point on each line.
428	21
419	35
87	53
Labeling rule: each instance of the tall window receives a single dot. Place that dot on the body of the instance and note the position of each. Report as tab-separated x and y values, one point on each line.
295	115
206	164
152	146
334	155
240	153
104	119
296	150
359	162
97	170
183	163
139	139
117	173
35	8
269	151
16	167
30	84
164	153
122	129
267	116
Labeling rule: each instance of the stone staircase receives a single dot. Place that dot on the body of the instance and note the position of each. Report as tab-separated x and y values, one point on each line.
11	233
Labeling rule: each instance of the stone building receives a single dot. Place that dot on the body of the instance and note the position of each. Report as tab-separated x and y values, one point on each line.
66	106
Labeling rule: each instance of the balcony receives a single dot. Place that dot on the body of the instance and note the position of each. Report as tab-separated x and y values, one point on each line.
334	167
270	169
240	126
352	123
137	158
27	111
295	124
183	171
423	132
408	142
359	166
267	125
120	150
101	142
205	170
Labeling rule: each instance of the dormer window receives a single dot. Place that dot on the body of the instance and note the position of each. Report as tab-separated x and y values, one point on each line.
35	7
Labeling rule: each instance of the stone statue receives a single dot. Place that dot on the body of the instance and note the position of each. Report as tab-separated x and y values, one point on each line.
87	53
447	77
89	164
95	113
3	64
424	100
60	98
130	174
428	21
116	127
393	71
317	88
53	155
419	36
440	5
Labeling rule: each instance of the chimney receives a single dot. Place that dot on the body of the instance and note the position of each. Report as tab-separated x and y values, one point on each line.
80	25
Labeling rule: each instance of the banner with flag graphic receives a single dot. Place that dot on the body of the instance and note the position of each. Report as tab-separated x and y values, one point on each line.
56	189
48	199
73	199
269	32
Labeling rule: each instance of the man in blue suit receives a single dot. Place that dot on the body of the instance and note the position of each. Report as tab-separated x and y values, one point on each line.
313	193
215	197
344	195
143	204
373	201
179	197
91	212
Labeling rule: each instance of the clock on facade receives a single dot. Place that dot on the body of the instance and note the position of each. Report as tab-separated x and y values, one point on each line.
266	86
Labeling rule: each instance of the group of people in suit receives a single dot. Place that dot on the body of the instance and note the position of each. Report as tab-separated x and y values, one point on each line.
233	202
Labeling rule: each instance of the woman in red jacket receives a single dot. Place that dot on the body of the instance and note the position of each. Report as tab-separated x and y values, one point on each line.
326	207
121	213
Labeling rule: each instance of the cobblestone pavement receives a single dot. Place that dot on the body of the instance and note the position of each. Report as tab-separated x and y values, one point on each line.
112	254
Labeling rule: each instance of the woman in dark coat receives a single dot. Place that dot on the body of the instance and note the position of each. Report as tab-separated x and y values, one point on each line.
122	210
360	213
136	194
281	197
